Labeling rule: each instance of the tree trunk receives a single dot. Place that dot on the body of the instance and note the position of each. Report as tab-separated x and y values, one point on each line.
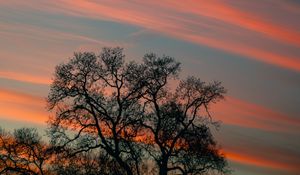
163	167
125	166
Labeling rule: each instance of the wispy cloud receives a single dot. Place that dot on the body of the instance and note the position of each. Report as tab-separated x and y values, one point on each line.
204	23
22	107
25	78
246	114
28	48
243	28
244	158
231	14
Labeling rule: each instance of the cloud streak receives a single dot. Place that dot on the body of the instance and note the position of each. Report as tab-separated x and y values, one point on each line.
32	48
232	15
22	107
257	161
213	16
246	114
21	63
25	78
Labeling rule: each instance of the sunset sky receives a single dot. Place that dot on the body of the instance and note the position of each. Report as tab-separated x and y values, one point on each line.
253	47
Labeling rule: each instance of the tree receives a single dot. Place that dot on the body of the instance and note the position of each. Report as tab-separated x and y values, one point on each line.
23	152
128	111
91	163
79	93
178	130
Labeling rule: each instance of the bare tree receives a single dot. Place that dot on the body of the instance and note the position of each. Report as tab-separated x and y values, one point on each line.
23	152
177	122
94	97
91	163
128	111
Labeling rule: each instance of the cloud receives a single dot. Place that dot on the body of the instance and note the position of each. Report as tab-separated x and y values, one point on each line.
44	48
233	15
225	27
36	79
204	23
24	32
246	114
275	164
22	107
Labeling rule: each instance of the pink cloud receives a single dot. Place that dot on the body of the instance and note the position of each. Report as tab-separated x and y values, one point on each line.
246	114
25	77
258	161
169	19
22	107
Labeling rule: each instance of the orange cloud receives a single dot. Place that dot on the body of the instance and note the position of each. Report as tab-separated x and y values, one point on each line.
244	158
174	25
35	55
25	78
241	113
170	19
232	15
23	32
22	107
283	61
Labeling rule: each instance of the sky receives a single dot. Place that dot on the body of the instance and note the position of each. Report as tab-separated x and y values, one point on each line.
252	47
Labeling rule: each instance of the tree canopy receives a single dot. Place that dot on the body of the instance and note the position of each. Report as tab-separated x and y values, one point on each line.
118	117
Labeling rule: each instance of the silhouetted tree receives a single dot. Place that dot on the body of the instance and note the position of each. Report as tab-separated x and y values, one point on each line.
127	111
91	163
94	97
23	152
183	141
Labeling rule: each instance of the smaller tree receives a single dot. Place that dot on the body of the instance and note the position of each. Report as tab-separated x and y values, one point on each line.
90	162
23	152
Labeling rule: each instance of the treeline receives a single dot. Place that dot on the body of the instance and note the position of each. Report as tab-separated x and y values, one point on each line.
116	117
